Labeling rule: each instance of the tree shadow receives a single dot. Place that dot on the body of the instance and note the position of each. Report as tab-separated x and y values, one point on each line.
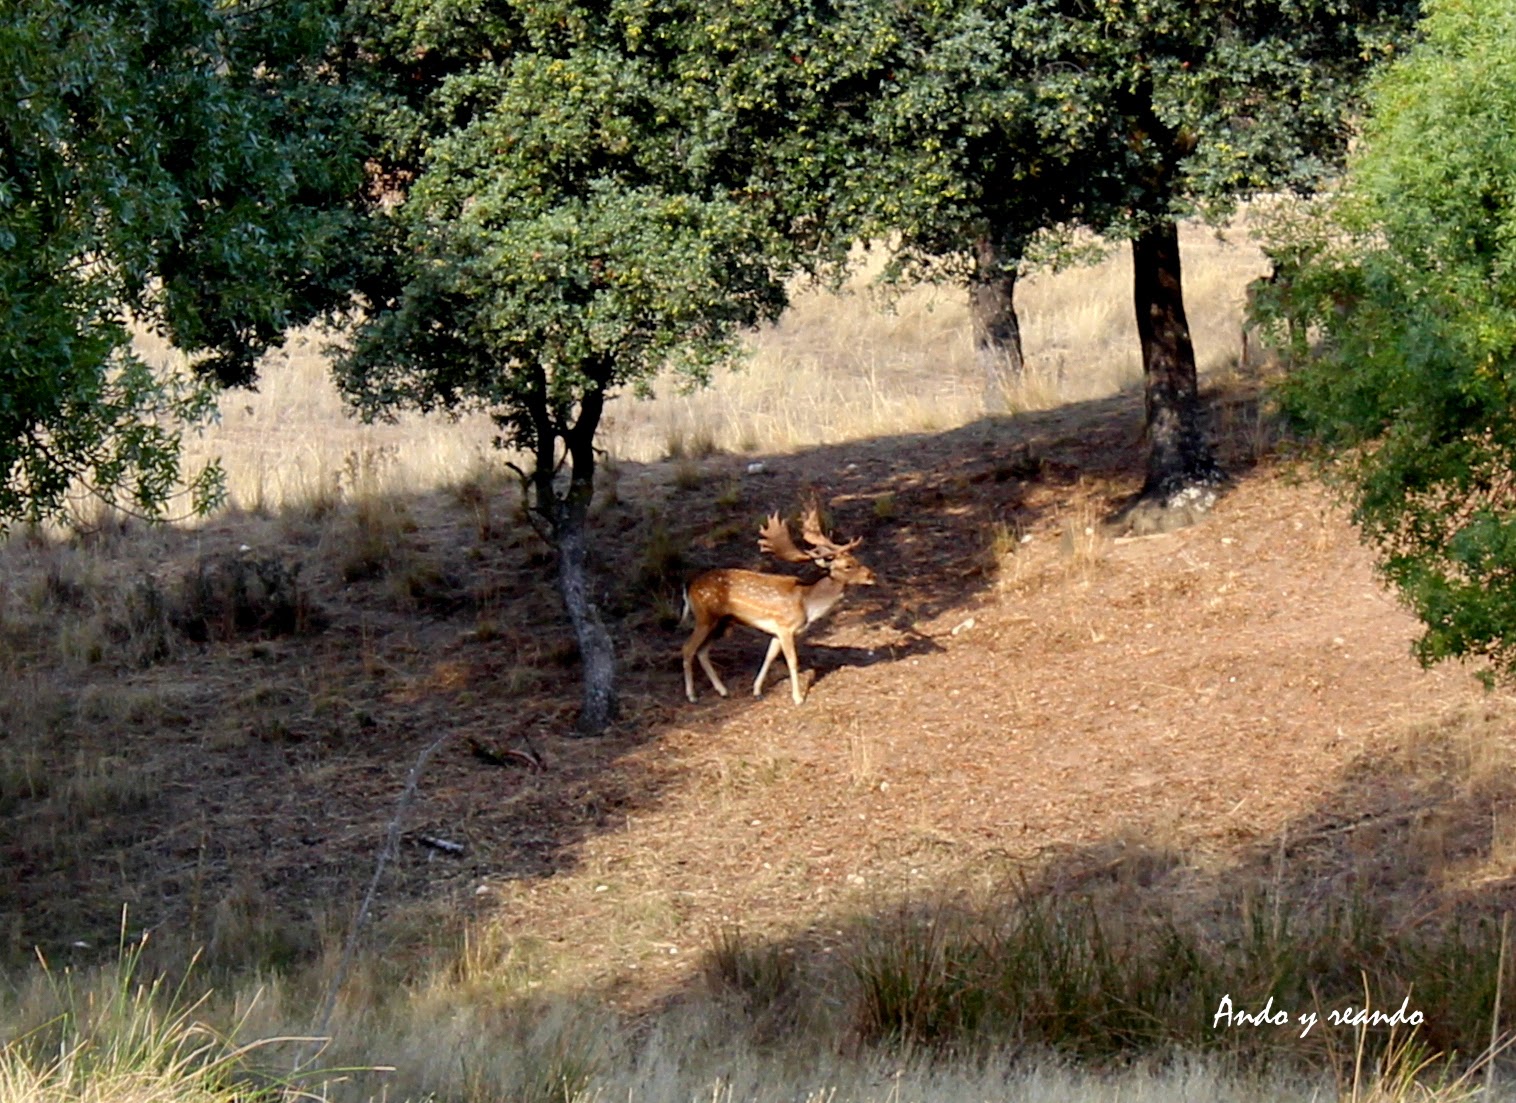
275	766
1390	890
818	660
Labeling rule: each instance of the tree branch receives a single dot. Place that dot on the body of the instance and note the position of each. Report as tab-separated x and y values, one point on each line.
386	852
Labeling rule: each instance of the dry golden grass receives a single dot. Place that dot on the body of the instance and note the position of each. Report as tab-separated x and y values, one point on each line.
834	368
292	444
839	368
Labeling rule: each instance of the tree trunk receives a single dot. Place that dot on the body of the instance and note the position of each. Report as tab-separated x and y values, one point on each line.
1182	473
567	516
597	652
997	330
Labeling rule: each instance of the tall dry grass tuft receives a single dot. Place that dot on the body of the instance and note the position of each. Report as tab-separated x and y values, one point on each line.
1102	983
120	1036
451	1037
1021	998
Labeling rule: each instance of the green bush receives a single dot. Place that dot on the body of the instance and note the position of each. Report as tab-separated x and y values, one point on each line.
1411	286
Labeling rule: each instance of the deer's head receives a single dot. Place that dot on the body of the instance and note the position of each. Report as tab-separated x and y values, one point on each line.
836	559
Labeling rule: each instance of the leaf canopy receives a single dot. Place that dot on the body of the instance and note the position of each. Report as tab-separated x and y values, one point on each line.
1413	285
167	162
567	229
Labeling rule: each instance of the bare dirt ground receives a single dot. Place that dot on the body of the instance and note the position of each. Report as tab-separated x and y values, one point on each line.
1234	700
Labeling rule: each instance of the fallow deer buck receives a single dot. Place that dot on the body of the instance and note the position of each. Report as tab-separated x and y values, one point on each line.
783	607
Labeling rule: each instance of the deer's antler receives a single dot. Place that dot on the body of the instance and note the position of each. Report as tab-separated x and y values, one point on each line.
774	539
810	528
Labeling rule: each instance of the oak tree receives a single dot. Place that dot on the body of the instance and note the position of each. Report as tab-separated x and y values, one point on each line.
1167	109
961	130
563	227
173	164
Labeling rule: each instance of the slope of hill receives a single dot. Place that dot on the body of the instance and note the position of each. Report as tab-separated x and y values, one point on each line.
214	728
1045	696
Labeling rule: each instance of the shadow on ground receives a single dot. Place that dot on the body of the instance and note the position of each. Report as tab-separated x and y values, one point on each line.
220	789
1392	892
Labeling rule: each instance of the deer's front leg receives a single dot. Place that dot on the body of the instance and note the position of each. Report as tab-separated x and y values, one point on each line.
763	671
788	642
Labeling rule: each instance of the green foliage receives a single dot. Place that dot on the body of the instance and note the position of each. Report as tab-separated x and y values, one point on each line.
594	291
568	216
936	124
163	162
564	235
975	136
1160	108
593	191
1413	287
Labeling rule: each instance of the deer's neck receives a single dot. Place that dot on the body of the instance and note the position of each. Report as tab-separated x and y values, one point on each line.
820	597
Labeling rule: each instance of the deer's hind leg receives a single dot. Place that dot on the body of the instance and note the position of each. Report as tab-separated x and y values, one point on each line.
699	646
710	670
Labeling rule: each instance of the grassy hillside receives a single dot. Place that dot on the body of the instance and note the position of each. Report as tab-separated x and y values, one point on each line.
1052	797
